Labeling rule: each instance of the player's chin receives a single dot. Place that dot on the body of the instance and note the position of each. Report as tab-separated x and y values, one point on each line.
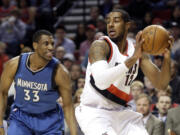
48	57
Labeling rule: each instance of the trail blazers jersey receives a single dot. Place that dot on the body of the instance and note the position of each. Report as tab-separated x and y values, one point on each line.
118	93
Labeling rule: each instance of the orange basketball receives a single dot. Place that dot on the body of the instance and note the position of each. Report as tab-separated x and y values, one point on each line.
156	39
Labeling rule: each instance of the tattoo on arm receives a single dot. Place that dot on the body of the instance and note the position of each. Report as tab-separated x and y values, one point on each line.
99	51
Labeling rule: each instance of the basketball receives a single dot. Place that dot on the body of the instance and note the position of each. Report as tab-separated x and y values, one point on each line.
155	39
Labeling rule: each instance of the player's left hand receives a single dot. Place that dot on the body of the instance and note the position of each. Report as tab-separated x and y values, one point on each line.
167	51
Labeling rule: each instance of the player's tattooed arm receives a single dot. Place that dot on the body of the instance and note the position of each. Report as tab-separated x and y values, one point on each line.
99	51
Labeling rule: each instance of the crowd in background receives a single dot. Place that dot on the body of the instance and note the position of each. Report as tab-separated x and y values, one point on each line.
19	19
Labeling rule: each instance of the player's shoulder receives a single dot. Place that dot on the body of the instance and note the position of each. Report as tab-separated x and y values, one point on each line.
62	69
13	61
12	64
99	43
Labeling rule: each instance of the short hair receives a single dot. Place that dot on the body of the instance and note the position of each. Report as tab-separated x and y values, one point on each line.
138	84
165	96
125	14
168	90
61	26
144	95
37	35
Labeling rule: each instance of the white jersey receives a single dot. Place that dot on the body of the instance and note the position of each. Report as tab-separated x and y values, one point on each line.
118	94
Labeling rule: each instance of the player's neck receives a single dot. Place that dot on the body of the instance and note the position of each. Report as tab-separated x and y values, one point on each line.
37	62
122	46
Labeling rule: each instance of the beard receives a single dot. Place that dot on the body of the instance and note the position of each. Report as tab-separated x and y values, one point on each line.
119	38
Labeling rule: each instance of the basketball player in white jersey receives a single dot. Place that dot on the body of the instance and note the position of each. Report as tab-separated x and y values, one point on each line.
113	65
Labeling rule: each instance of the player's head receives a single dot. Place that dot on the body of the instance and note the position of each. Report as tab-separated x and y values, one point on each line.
143	102
43	44
118	23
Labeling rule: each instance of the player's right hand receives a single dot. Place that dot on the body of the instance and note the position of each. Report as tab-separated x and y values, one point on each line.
1	131
138	46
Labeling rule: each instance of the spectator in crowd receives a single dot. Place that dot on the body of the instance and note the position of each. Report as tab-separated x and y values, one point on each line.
26	49
174	28
84	47
81	82
27	13
68	61
101	26
80	35
175	82
59	53
75	73
5	9
153	125
15	30
3	57
158	60
147	20
137	87
163	105
62	40
173	121
94	15
175	17
159	93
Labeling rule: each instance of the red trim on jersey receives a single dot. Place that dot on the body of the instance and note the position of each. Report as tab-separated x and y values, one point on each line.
126	52
111	51
119	93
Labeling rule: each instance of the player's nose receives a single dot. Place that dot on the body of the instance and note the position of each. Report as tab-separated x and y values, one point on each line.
50	47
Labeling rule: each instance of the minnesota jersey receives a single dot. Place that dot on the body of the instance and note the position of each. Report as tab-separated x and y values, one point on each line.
118	94
35	90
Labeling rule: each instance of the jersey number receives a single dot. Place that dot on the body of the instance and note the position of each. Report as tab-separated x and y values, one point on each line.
130	76
35	97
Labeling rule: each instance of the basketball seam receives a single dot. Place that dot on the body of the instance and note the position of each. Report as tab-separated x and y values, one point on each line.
154	38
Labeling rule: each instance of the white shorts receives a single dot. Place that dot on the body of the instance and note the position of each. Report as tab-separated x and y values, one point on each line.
95	121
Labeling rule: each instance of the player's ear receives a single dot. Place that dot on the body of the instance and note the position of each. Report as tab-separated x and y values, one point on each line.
128	25
35	45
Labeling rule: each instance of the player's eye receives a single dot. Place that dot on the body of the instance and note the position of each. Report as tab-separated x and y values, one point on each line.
46	43
117	20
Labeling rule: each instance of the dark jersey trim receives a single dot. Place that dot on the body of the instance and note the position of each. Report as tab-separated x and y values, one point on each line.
53	82
108	94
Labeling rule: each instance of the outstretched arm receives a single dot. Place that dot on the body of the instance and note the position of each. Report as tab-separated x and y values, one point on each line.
63	81
7	78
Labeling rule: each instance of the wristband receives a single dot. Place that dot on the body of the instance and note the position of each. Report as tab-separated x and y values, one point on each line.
1	126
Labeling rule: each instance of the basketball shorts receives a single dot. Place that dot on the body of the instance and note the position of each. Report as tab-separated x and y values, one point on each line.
48	123
94	121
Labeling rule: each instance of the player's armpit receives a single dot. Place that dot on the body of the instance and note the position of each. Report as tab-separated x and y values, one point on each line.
99	51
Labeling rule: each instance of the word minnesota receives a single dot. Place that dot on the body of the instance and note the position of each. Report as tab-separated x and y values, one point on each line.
32	85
